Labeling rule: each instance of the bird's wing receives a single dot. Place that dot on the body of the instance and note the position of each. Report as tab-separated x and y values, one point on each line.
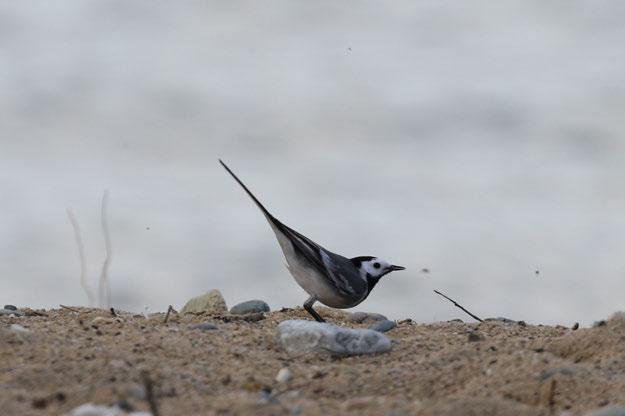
318	257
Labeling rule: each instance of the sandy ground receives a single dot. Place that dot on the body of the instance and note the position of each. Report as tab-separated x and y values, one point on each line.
70	357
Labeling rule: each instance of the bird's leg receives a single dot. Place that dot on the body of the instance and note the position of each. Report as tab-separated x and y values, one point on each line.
308	306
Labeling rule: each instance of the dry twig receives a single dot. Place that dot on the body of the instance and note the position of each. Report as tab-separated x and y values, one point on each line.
171	308
105	287
69	309
81	254
458	305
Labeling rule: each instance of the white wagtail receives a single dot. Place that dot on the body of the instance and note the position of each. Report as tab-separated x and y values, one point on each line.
329	278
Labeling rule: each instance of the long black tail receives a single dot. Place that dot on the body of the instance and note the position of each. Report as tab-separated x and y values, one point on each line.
262	208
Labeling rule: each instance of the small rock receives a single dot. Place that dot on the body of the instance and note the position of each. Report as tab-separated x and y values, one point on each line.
10	307
9	312
206	326
251	306
383	326
550	372
297	337
360	317
599	323
283	375
475	337
103	320
89	409
136	391
211	302
575	326
608	411
501	319
19	329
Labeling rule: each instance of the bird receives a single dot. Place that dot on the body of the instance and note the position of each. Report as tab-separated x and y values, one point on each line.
329	278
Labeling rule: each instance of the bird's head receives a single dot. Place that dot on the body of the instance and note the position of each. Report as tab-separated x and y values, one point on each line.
373	268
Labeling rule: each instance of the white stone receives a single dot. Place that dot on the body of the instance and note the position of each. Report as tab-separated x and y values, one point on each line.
19	329
89	409
283	375
298	337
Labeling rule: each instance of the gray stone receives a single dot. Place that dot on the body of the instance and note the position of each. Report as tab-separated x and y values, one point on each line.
360	317
550	372
298	337
501	319
211	303
10	307
383	326
251	306
206	326
8	312
608	411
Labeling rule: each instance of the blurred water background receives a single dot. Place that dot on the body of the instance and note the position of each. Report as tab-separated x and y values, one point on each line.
480	140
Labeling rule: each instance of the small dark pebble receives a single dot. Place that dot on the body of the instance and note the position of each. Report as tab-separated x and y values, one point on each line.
383	326
521	323
10	307
251	306
206	326
40	402
475	337
575	326
501	319
125	406
599	323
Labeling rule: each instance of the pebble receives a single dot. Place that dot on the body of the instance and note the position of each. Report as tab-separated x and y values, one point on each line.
360	317
608	411
298	336
566	371
475	337
283	375
206	326
10	307
211	302
251	306
9	312
383	326
19	329
501	319
89	409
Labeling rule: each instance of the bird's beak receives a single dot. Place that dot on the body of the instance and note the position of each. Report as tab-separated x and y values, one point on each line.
395	268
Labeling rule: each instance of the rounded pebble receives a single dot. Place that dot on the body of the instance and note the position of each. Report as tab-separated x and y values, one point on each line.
251	306
206	326
360	317
283	375
19	329
10	307
383	326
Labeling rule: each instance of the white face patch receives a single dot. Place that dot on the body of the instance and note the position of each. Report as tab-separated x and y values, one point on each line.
375	267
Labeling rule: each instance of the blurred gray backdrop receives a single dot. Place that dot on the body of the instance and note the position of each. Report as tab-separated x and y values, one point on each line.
480	140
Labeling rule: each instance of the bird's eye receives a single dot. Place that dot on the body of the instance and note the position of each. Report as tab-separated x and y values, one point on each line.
376	265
